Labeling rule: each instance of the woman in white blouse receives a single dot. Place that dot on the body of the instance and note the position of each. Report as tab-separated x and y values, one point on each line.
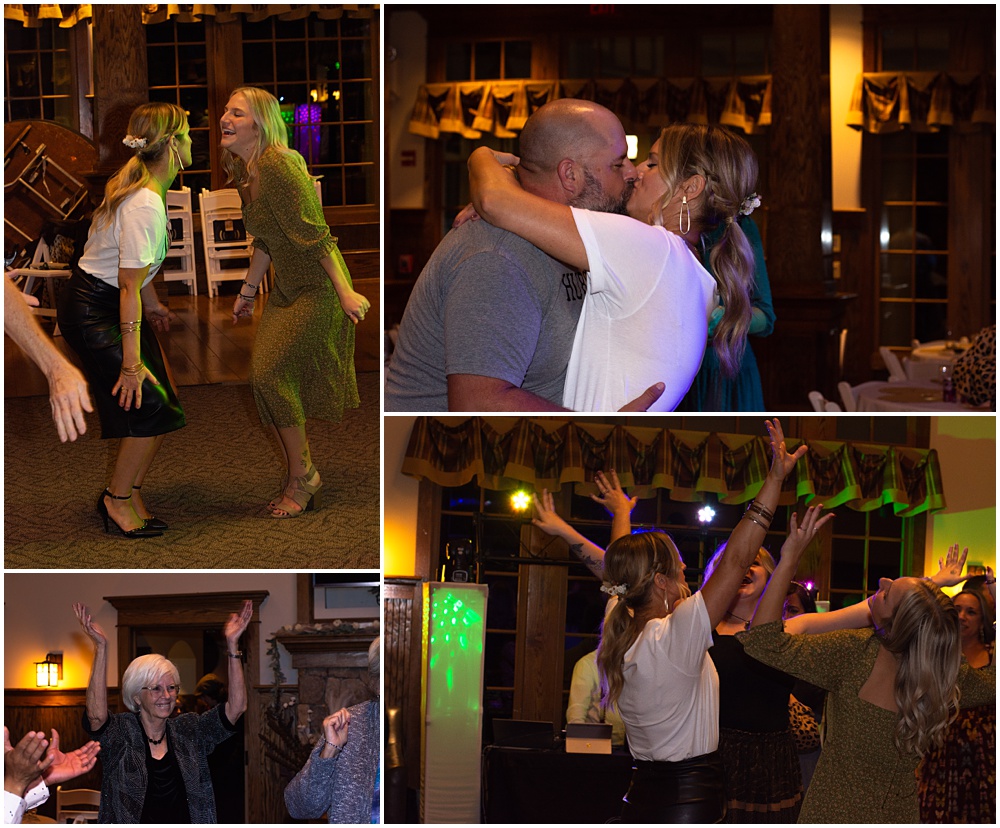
649	299
110	312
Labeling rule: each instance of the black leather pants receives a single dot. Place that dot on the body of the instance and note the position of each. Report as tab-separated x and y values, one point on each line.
677	792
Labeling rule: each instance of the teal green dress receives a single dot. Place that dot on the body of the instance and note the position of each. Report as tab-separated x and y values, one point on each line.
303	356
712	390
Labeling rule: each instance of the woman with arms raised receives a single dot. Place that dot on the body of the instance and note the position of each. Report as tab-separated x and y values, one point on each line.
155	767
891	691
303	356
653	655
645	316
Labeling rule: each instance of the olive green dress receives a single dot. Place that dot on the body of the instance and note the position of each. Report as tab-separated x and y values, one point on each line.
860	777
303	356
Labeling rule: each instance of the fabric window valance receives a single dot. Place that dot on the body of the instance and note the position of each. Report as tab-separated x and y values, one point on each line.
470	108
686	464
922	101
69	15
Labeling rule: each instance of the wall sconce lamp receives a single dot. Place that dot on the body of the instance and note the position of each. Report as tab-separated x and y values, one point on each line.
49	673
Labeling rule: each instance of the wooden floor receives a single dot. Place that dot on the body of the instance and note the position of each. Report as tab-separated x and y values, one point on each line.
202	347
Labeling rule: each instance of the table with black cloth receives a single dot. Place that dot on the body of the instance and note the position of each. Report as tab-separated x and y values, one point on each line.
526	785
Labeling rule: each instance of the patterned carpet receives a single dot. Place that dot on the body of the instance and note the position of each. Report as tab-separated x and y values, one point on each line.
210	483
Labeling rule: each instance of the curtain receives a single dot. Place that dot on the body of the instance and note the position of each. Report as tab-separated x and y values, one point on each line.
885	102
69	15
686	464
504	106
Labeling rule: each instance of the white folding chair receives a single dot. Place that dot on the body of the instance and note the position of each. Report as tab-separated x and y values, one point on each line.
68	802
897	373
228	246
180	256
821	403
847	396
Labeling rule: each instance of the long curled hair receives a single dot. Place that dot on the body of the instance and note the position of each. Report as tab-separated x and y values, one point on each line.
729	167
632	562
265	111
157	123
924	636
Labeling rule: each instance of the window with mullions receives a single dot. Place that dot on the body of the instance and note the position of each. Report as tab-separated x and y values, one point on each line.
321	73
613	56
38	82
913	238
178	74
487	60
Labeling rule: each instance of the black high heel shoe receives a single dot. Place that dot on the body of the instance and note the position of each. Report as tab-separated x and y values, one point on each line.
152	522
139	532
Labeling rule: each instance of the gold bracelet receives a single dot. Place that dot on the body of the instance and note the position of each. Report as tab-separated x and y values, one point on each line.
750	516
133	371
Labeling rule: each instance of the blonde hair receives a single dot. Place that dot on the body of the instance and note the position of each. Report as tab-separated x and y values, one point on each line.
764	558
140	672
157	123
924	635
729	167
632	562
265	111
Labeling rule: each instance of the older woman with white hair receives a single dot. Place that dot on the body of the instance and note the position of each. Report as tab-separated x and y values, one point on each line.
340	778
155	766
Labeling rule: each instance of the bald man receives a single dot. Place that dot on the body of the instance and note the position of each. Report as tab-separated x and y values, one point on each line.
491	319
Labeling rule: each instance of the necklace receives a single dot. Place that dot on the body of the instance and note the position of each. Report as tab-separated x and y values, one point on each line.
157	741
746	624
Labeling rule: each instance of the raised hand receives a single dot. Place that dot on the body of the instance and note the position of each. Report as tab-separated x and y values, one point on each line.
25	762
801	535
66	766
335	727
237	624
612	497
782	463
90	627
547	520
950	567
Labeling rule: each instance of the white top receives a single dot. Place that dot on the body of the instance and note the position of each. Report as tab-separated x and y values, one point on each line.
670	699
645	316
14	806
136	237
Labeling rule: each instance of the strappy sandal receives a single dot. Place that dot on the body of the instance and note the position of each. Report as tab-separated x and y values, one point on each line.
303	494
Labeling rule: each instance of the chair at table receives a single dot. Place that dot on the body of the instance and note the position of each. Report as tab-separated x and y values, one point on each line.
821	403
181	226
896	369
68	802
227	244
847	396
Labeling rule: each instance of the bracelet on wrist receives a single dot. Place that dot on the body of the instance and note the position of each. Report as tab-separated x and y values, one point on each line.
250	299
250	285
132	370
237	654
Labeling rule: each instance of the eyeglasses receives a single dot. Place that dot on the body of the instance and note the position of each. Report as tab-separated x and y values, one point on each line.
169	690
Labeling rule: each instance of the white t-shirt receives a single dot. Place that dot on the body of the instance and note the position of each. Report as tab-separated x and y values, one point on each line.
670	700
136	237
644	319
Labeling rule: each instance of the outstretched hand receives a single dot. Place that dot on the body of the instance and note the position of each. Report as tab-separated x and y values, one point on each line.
782	463
950	567
612	497
547	520
93	631
237	624
66	766
801	535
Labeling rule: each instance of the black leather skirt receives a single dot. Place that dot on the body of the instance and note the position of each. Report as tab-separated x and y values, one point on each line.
89	319
677	792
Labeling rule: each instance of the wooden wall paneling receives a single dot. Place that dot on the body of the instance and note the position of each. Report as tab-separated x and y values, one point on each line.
224	50
402	643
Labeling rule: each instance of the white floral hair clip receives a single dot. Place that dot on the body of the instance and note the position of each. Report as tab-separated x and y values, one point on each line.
132	142
750	203
614	589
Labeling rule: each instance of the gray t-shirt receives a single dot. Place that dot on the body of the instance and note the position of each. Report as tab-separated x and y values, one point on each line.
487	303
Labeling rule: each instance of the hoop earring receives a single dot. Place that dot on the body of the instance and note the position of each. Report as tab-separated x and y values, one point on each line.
680	218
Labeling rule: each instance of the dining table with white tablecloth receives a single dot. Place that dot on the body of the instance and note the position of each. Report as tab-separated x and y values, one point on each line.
906	396
926	361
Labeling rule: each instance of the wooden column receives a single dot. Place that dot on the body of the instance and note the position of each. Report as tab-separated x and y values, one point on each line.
795	188
120	78
803	353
